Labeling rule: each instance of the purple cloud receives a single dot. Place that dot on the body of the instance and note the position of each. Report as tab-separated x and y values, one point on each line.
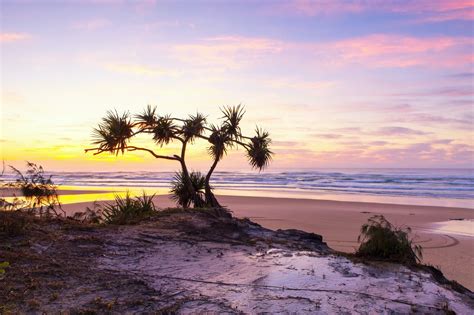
398	131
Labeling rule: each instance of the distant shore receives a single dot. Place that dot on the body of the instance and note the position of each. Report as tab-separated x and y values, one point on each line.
339	223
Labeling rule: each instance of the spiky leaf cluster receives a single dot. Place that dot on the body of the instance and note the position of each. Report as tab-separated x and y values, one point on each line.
148	118
258	150
193	126
164	130
114	132
219	140
181	194
232	117
128	210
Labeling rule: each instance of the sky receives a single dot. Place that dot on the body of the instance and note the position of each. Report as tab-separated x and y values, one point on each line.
353	84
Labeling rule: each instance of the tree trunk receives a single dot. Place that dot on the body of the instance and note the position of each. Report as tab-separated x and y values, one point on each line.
188	183
195	198
211	200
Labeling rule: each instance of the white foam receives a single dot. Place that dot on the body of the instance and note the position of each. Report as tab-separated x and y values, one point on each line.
456	227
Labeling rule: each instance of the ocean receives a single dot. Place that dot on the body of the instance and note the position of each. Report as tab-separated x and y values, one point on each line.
443	187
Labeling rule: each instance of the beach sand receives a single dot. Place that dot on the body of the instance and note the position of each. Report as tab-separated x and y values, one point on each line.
339	223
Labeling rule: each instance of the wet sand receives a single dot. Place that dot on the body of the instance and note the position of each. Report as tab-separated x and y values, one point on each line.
339	223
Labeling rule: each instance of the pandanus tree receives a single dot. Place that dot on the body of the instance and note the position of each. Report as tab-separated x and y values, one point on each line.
115	132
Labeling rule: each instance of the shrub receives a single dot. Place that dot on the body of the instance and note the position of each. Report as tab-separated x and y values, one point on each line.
381	240
39	191
181	194
128	210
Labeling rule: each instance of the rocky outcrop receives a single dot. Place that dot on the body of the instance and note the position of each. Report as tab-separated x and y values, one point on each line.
197	262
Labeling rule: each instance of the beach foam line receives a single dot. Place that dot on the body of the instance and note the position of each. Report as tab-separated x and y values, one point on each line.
455	227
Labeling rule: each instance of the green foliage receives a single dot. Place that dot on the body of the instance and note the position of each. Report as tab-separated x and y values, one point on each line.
164	130
219	140
147	118
39	191
381	240
258	151
181	194
232	117
114	132
128	210
193	126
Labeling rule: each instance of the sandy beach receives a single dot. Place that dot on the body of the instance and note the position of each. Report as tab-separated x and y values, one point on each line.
339	223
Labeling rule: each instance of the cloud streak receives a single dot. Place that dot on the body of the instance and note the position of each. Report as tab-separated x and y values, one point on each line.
227	51
376	50
398	131
6	37
427	11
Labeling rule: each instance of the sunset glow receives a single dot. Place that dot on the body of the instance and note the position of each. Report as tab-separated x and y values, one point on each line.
336	83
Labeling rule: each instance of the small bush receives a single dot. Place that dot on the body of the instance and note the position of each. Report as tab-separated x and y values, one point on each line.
39	191
381	240
128	210
180	193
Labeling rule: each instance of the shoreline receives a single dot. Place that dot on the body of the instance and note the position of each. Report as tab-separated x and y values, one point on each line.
271	193
107	193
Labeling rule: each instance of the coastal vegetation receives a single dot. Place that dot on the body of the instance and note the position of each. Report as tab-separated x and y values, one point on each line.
128	210
381	240
39	192
115	132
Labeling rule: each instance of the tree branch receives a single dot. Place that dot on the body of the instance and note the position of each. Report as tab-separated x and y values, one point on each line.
133	148
245	145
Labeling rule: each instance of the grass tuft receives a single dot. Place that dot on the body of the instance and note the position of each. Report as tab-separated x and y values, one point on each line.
128	210
381	240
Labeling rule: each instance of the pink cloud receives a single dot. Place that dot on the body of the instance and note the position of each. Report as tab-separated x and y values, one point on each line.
454	91
434	153
312	8
227	51
438	11
377	50
328	135
398	131
425	10
13	37
384	50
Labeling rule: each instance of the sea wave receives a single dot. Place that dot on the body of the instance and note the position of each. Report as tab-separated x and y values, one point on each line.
452	184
